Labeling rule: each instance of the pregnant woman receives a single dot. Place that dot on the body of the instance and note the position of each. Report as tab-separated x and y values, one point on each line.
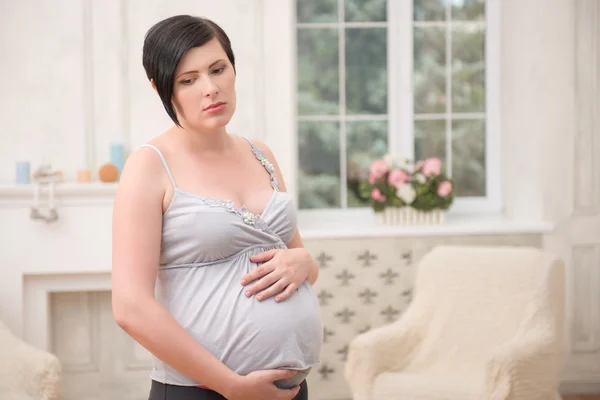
209	270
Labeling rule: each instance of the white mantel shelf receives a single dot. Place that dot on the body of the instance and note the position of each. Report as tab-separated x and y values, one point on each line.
66	193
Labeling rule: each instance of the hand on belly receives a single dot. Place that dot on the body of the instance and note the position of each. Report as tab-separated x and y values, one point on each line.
282	272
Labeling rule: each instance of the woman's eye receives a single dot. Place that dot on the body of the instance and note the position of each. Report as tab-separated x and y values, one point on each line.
218	70
187	81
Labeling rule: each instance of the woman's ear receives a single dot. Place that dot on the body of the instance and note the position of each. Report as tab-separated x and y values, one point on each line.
153	85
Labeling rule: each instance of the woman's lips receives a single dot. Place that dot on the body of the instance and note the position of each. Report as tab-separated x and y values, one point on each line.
215	107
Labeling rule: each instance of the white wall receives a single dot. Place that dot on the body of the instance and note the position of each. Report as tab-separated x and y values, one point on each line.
73	80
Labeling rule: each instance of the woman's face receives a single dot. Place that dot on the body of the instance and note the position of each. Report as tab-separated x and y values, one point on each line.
204	88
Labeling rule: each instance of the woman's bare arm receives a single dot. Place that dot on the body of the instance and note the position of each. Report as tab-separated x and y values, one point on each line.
136	241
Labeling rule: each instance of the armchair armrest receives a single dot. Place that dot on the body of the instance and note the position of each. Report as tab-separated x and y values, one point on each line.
387	348
26	369
525	368
528	366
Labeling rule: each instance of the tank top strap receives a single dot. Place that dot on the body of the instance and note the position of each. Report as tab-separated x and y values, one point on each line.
260	156
164	161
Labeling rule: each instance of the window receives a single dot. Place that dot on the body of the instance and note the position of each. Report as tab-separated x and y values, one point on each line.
413	78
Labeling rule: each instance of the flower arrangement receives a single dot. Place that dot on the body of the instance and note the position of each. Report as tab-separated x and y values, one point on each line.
422	186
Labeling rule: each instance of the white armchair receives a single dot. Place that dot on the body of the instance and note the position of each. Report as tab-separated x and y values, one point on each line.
26	373
486	323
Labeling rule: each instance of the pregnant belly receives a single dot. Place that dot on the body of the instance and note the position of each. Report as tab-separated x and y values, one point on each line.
247	334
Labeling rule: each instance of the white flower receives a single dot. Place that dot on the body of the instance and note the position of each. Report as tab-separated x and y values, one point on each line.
389	160
406	193
395	161
420	178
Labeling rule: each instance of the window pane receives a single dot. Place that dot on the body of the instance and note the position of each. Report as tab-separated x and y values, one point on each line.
319	162
318	71
430	139
468	157
317	10
468	10
365	141
468	68
429	10
429	70
365	10
366	71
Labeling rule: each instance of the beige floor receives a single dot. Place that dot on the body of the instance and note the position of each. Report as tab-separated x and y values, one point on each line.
595	397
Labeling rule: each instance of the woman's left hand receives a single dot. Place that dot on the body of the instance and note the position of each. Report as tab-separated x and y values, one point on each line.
282	272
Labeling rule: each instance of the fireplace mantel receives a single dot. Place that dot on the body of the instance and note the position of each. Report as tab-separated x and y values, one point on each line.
37	258
66	194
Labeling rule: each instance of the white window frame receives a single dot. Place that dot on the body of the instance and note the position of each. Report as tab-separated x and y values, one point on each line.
280	52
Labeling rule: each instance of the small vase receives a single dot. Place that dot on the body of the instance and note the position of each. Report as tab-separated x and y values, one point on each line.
23	173
409	216
117	156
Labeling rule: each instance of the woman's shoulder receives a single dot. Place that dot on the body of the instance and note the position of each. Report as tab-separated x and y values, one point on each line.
144	164
150	153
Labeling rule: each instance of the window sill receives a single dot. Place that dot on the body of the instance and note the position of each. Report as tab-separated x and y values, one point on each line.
363	224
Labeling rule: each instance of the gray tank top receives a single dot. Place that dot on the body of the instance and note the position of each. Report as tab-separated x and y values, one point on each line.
205	250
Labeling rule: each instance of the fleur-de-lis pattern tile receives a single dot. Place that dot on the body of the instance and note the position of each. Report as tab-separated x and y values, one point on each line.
364	284
367	258
360	287
323	259
367	295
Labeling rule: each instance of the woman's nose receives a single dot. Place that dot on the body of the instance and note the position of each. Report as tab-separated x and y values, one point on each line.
210	88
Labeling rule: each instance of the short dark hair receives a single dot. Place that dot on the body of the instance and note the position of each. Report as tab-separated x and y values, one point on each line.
165	44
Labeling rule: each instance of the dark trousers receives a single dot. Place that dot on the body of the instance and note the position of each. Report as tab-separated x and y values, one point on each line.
161	391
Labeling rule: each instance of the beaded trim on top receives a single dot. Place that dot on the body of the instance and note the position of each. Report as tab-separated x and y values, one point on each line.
248	218
260	156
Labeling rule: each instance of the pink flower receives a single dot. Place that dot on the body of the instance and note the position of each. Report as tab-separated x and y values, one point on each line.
398	177
378	170
419	165
432	166
444	189
377	196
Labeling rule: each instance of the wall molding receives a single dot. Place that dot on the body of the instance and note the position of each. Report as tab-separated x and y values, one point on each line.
587	98
124	74
37	289
88	85
585	325
260	73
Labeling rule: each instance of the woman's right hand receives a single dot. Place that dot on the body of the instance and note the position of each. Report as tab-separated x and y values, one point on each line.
260	385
